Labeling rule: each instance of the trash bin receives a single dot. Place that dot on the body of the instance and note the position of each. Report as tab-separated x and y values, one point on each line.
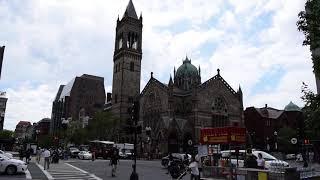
291	173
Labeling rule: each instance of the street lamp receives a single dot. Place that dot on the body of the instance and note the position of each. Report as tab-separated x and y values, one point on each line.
149	140
275	140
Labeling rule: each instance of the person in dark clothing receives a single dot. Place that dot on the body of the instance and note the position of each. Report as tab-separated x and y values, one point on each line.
28	153
21	155
250	161
170	161
114	161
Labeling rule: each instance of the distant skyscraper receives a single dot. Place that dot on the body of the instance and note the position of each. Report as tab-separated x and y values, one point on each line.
1	58
3	104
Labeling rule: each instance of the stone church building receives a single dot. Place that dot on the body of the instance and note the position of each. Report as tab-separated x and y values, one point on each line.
174	111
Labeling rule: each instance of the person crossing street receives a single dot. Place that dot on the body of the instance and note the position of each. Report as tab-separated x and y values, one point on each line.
114	161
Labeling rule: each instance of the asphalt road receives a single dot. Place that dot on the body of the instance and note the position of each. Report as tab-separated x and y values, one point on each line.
147	170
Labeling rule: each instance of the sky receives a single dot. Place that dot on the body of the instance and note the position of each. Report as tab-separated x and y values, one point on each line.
254	43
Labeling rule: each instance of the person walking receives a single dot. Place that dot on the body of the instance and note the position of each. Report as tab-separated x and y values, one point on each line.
28	153
260	161
38	155
250	161
46	155
194	167
114	161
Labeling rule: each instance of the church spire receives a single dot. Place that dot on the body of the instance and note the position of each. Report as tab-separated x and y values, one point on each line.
130	11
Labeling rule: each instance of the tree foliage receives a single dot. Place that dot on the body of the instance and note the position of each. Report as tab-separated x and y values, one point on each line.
311	112
285	135
103	126
6	134
309	24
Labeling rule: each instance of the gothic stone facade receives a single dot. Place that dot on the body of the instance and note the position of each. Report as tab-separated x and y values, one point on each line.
176	113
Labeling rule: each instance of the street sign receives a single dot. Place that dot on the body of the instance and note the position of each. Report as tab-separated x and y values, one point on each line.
294	140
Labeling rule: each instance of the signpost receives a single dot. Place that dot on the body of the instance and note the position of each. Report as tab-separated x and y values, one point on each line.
294	140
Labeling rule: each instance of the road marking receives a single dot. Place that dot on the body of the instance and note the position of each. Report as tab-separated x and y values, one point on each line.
28	175
45	172
83	171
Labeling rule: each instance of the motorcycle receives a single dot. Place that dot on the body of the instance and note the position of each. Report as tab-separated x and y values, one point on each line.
178	169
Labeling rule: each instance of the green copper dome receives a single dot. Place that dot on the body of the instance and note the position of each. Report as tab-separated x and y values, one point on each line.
187	69
292	107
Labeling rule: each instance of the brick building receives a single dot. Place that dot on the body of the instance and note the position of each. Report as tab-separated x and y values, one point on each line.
263	124
85	93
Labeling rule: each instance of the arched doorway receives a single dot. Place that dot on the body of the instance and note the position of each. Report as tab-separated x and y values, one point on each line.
173	145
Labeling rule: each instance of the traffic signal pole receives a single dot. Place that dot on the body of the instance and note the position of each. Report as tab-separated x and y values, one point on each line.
135	115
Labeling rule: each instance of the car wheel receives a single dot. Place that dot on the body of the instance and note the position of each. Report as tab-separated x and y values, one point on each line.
10	170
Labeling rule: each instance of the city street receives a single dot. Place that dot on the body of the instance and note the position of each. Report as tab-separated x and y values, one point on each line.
100	170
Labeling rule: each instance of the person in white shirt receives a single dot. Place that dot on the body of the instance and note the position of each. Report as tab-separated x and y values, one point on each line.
46	155
194	166
260	161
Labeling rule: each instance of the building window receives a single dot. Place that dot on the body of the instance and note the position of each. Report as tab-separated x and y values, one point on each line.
131	66
268	123
116	98
130	99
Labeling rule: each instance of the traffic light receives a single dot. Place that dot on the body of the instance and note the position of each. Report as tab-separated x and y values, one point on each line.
306	141
135	111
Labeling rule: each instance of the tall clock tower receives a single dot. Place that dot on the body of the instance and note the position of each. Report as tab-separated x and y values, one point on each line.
126	62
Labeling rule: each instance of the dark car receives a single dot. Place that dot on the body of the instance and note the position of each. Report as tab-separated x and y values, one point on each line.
176	156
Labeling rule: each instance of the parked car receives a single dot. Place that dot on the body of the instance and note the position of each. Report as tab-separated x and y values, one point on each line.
74	152
9	155
270	161
176	156
11	166
85	155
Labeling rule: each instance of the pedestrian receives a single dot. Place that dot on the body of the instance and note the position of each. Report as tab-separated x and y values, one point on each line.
170	162
21	153
250	161
46	155
38	154
194	167
93	156
114	161
260	161
28	153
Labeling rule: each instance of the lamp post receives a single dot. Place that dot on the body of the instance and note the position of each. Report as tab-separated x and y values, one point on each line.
275	133
149	140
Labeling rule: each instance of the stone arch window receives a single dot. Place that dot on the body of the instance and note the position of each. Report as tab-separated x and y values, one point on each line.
219	105
131	66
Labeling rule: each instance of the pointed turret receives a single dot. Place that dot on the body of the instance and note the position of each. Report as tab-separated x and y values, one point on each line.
239	92
199	70
130	11
170	81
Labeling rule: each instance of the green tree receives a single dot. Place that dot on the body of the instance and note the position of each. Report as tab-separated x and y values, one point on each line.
6	134
46	141
311	112
309	24
285	135
102	126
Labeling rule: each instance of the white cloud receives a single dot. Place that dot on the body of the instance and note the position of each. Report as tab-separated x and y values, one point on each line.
50	42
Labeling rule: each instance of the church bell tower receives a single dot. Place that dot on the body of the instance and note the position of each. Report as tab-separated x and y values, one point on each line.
126	62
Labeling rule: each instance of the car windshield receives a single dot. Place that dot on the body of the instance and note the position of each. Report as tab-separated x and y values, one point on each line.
74	149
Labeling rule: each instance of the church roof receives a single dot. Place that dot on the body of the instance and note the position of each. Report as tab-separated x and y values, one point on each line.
187	69
292	107
218	77
130	11
153	80
269	112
